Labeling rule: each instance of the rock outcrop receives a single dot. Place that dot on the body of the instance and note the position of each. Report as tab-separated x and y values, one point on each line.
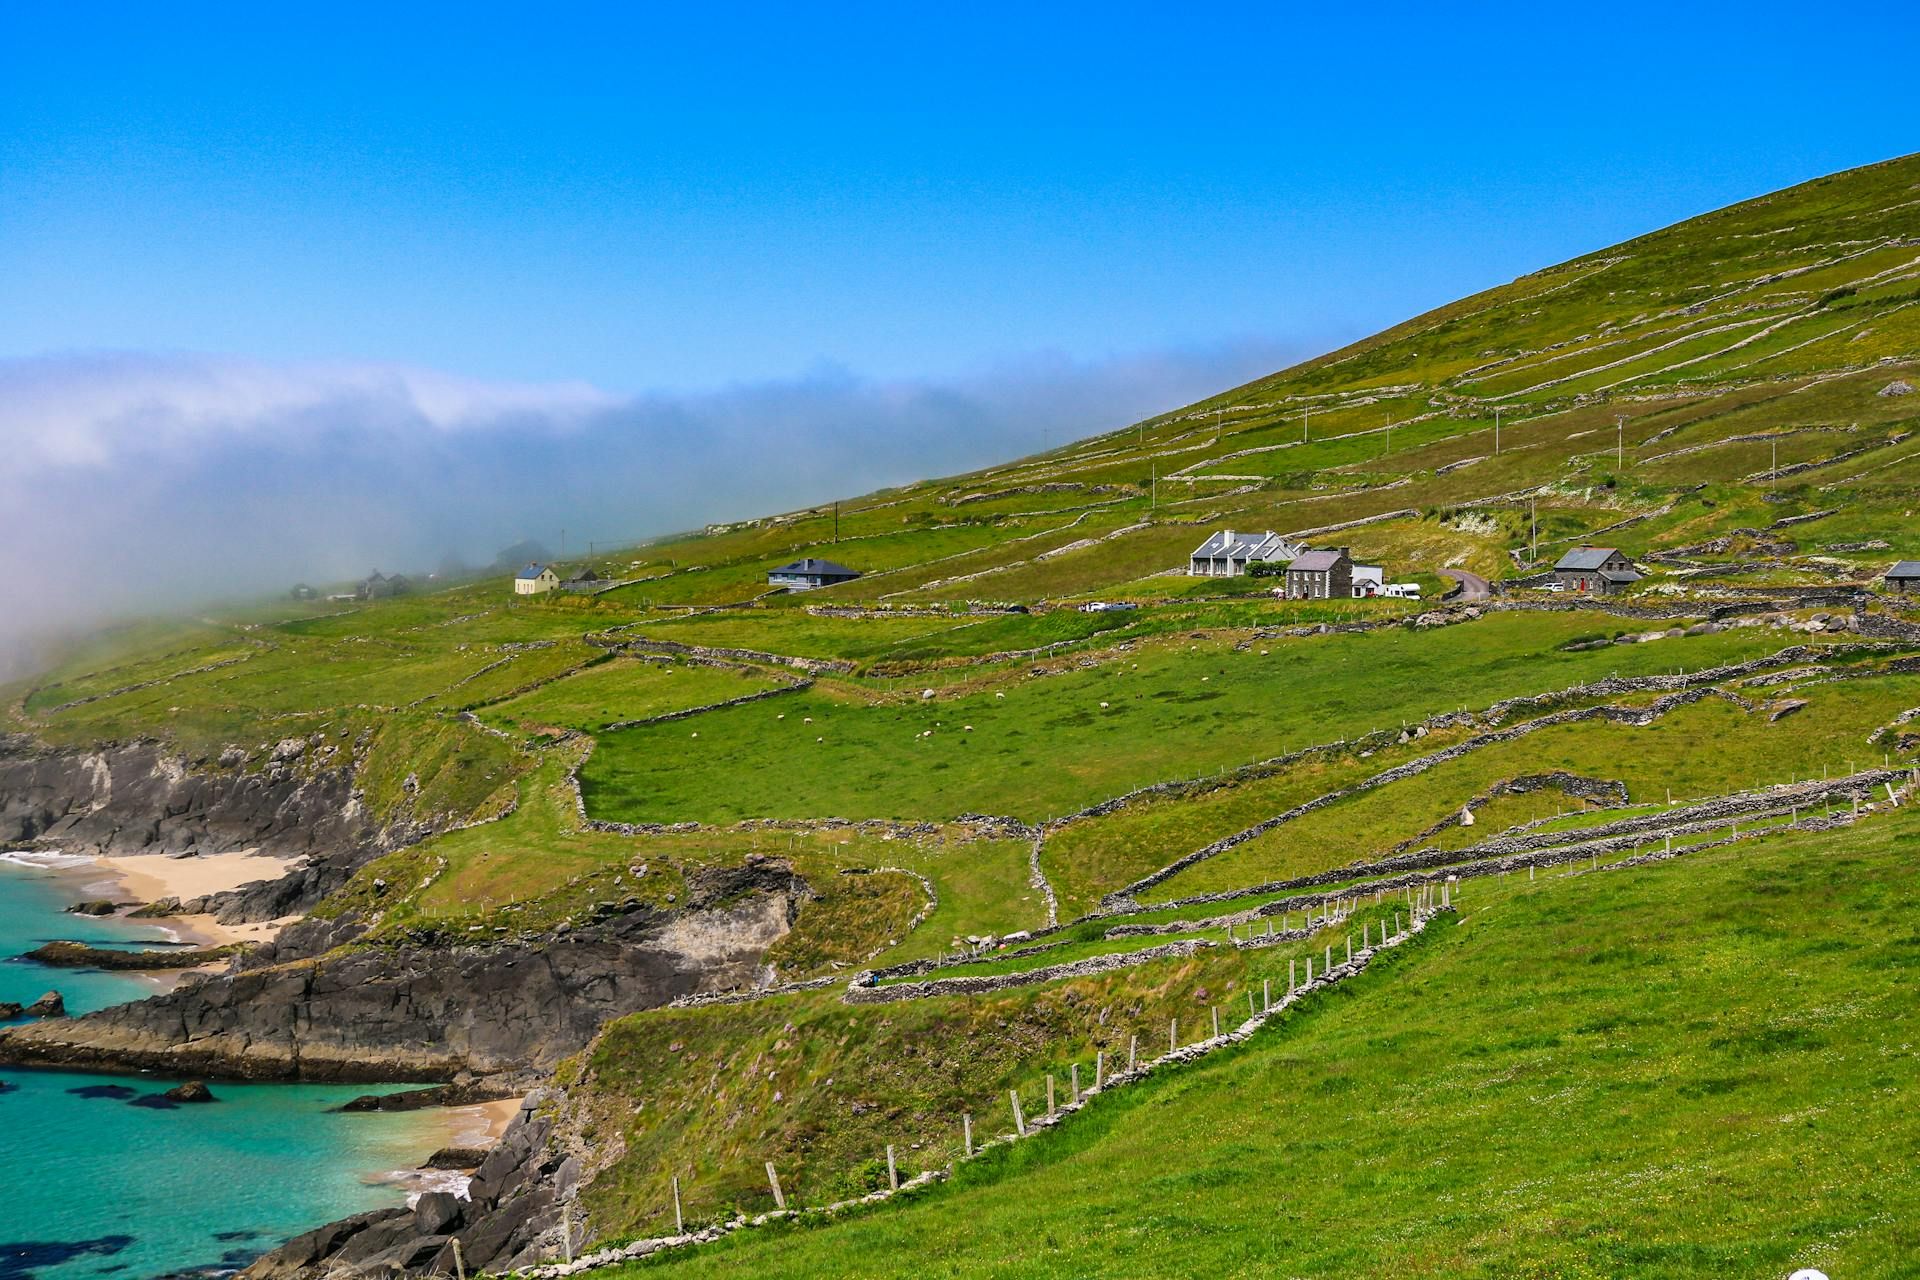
393	1013
144	797
507	1219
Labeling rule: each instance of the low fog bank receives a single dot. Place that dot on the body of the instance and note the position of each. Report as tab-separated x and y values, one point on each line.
134	484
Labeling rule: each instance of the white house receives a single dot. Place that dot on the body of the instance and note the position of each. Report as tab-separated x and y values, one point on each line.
1227	554
535	580
810	574
1368	580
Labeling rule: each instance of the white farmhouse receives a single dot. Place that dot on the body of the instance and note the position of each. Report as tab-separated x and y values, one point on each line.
535	580
1227	554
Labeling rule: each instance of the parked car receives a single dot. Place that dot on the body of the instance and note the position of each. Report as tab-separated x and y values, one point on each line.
1107	606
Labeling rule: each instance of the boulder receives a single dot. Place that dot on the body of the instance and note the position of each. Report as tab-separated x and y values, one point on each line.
456	1158
1898	387
191	1091
10	1010
294	1258
50	1005
93	907
437	1213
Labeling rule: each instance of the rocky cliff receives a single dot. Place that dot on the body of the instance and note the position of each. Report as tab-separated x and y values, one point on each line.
386	1013
145	797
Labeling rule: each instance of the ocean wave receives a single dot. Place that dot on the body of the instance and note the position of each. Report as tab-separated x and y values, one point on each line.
45	861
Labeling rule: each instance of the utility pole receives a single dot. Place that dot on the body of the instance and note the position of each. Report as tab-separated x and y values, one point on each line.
1389	437
1533	531
1153	489
1773	477
1620	442
1303	423
1496	431
836	522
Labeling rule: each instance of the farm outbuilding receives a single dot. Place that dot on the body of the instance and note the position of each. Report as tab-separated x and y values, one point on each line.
1904	578
1596	570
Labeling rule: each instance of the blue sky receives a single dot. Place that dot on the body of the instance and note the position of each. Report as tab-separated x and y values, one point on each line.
648	197
295	291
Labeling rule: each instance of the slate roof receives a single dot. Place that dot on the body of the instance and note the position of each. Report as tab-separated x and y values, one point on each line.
1225	544
813	568
1314	561
1905	569
1588	558
1620	575
529	573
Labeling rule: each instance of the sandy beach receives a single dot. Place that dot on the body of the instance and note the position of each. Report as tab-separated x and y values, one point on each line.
150	877
476	1126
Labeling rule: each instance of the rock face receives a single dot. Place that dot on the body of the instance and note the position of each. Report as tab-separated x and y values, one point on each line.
191	1091
142	797
508	1219
431	1013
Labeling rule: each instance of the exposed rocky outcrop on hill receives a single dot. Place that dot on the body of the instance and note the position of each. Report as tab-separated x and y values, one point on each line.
321	1006
145	797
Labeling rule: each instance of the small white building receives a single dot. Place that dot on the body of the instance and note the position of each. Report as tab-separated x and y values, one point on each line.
1368	580
1227	554
535	580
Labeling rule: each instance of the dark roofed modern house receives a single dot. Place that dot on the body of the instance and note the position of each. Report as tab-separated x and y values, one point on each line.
1321	575
1905	578
1227	554
805	575
1598	570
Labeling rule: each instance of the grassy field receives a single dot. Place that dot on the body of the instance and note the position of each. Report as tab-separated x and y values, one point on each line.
1694	1069
1039	748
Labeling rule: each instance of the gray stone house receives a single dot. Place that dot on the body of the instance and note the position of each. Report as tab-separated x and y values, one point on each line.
1597	571
1321	575
1904	578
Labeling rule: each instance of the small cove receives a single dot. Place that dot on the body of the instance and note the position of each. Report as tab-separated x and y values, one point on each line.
102	1182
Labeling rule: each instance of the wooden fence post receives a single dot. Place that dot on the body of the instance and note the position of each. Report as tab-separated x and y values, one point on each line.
459	1262
1173	1034
1099	1068
1076	1082
773	1180
1049	1095
966	1130
1216	1022
893	1171
679	1221
1019	1121
1133	1052
1266	993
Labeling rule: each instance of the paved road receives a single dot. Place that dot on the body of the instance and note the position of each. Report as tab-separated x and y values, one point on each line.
1472	585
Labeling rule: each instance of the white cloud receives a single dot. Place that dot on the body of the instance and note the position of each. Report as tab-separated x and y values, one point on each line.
130	482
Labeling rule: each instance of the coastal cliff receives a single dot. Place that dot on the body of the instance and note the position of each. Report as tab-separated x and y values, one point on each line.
145	797
318	1006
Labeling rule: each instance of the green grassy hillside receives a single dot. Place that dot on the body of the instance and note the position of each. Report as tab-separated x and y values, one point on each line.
1702	1068
1673	1068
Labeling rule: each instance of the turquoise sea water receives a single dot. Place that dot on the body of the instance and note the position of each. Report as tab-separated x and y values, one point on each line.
94	1185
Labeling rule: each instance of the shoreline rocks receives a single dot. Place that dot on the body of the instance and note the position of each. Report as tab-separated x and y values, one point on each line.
80	955
50	1005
